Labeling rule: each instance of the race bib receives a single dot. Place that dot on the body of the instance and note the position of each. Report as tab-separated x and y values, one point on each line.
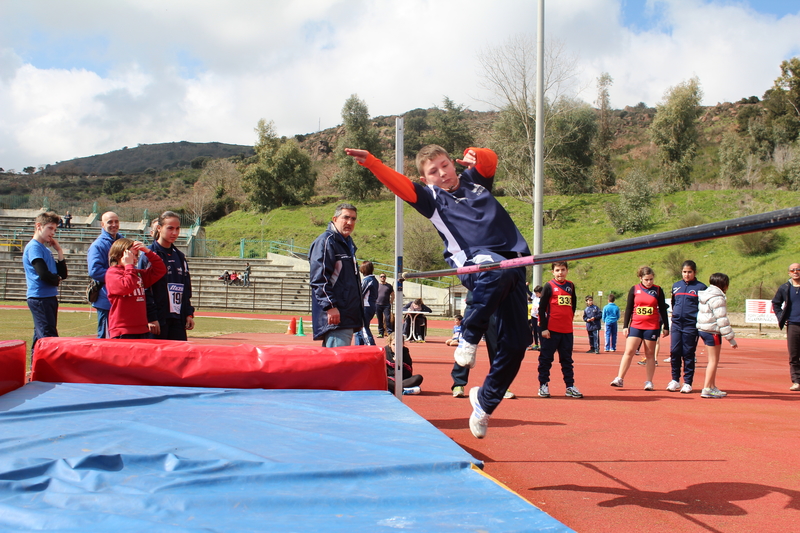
175	297
565	299
644	311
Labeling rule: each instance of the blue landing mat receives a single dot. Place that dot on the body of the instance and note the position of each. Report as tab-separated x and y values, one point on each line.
100	458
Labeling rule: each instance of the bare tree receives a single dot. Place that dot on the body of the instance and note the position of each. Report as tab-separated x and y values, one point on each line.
219	179
510	74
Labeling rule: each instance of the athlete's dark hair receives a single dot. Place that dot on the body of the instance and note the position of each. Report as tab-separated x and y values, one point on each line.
718	279
689	263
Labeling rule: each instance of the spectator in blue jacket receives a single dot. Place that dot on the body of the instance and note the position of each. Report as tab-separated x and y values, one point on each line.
592	316
97	259
336	309
611	319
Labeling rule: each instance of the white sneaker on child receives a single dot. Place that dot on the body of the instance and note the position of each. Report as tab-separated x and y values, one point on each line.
673	386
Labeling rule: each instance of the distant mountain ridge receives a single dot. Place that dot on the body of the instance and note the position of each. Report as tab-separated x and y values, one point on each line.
148	156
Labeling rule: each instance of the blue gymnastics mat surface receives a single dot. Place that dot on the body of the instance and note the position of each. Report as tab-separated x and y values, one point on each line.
111	458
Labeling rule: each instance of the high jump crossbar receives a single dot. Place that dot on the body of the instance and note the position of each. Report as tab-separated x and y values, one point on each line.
782	218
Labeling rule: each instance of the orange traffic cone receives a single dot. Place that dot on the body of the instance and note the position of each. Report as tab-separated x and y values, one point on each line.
300	329
292	329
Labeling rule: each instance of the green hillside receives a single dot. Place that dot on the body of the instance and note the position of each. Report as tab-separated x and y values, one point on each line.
574	222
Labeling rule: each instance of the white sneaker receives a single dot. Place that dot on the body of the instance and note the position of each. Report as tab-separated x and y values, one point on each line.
667	359
465	353
673	386
617	382
458	391
544	390
648	385
478	420
686	389
509	395
572	392
712	393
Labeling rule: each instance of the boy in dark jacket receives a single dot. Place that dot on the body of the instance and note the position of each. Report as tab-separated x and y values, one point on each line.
592	316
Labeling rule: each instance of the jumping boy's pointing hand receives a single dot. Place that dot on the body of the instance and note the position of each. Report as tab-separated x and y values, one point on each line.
359	155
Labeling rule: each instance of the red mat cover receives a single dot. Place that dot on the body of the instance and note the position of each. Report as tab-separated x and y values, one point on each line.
184	364
12	365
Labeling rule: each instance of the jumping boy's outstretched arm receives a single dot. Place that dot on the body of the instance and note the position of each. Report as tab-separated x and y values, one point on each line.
396	182
483	160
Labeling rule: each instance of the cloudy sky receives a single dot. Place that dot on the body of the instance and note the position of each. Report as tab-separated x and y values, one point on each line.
84	77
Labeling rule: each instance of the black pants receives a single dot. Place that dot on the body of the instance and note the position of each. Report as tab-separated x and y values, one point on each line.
174	329
385	324
793	340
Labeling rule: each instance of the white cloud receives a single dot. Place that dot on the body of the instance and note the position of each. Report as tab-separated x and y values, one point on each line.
78	79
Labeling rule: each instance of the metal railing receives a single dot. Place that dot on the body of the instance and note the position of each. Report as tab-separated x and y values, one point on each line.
257	248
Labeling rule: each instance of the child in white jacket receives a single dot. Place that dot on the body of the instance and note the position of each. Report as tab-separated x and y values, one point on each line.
713	324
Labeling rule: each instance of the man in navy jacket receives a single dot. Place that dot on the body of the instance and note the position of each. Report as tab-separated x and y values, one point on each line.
336	309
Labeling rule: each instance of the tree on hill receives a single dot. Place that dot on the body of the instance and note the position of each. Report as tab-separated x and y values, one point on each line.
282	174
510	73
415	130
217	192
674	132
450	129
782	102
603	172
353	180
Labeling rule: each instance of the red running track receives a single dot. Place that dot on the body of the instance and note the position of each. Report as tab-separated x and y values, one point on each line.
627	459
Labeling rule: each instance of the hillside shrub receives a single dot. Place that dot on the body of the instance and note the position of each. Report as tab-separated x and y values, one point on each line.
690	220
632	210
761	243
673	264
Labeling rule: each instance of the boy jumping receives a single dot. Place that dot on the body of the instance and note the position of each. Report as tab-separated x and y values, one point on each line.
475	229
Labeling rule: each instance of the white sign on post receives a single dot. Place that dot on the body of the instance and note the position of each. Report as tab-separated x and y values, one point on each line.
759	312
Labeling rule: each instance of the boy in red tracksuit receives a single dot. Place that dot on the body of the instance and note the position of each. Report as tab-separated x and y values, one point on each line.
125	284
556	311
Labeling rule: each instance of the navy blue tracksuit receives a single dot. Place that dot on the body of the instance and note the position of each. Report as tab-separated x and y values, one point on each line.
683	333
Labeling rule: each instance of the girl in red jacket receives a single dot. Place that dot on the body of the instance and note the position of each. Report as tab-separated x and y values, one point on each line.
126	284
